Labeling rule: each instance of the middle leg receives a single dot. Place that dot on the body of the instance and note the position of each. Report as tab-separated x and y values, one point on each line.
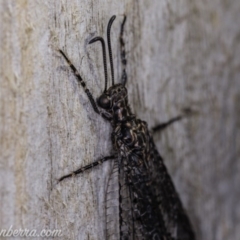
161	126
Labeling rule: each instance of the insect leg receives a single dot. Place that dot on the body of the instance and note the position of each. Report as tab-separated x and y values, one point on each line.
89	166
161	126
123	53
83	84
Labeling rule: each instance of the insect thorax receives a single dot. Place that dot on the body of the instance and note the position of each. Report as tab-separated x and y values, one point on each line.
132	138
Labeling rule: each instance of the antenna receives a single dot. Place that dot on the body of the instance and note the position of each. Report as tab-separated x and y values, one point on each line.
104	57
109	45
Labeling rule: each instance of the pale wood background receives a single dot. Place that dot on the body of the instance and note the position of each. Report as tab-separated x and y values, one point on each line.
181	54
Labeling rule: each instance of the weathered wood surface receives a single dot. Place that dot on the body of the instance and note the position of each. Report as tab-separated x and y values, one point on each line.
181	54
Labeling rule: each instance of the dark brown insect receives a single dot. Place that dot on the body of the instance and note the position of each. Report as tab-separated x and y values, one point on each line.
148	204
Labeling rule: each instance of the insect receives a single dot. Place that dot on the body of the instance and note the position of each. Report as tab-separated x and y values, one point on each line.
148	204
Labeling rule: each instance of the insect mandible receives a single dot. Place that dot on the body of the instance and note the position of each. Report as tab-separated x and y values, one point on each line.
149	206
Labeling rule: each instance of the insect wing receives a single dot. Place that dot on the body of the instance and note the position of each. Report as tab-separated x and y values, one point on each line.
173	214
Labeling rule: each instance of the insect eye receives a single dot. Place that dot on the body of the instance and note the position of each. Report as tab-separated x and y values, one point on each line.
104	101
